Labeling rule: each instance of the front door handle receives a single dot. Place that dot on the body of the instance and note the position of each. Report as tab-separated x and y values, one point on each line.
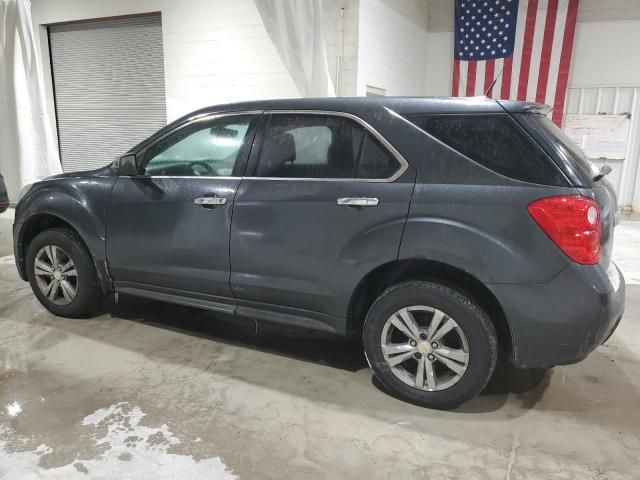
358	201
210	201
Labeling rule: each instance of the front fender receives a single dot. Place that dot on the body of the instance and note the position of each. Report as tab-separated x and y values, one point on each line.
79	202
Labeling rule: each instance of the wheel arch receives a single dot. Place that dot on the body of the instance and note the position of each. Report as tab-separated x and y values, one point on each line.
41	222
383	276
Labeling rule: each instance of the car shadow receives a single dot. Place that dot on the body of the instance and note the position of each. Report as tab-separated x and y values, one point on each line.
528	385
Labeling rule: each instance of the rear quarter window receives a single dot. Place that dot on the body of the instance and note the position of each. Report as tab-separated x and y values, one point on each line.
496	142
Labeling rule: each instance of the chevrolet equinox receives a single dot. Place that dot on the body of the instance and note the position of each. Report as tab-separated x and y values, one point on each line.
440	230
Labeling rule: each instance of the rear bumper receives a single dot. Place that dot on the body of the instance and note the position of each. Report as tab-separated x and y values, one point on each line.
562	321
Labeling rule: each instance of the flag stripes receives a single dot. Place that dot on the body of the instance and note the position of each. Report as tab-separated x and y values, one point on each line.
538	68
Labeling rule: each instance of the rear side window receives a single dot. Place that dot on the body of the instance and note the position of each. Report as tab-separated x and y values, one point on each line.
310	146
375	160
496	142
323	147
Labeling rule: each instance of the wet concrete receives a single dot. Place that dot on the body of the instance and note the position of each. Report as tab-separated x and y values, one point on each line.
149	390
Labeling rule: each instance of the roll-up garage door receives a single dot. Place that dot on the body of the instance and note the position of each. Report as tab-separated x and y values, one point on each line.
108	79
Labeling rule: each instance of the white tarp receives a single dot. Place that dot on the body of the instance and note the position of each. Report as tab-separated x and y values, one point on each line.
28	151
295	28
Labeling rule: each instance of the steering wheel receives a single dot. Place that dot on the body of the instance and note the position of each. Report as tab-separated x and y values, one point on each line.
202	169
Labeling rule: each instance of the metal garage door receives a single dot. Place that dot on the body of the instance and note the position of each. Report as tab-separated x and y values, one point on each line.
108	79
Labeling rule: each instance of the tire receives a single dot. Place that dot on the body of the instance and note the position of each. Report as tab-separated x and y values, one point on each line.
89	295
472	340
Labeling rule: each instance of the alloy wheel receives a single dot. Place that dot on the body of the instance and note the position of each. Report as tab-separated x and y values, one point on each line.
56	275
425	348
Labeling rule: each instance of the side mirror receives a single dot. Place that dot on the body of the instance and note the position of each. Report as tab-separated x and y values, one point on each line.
128	165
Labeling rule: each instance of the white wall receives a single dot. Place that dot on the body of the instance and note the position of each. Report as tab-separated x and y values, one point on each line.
392	46
605	53
440	63
215	51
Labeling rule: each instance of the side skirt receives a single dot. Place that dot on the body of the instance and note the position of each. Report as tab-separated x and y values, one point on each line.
295	317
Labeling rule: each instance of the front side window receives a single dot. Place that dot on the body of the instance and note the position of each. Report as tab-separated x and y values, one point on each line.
496	142
203	149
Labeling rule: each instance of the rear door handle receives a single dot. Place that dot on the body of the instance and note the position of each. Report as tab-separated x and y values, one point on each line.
358	201
210	201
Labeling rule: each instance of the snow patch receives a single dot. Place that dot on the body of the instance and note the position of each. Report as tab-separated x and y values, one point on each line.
124	450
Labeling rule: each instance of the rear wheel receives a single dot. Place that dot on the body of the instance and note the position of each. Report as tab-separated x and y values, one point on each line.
62	274
429	344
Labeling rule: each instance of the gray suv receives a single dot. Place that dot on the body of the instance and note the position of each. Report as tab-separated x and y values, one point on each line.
438	230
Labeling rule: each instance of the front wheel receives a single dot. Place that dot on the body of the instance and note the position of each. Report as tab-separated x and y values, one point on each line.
429	344
62	274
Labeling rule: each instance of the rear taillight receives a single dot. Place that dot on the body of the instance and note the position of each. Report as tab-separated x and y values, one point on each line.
572	222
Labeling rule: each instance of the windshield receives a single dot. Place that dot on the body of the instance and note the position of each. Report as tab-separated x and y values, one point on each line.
567	146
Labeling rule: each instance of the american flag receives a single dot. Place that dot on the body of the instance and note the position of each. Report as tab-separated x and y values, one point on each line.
525	44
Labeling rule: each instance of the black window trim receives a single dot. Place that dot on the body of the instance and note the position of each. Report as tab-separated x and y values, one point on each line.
404	165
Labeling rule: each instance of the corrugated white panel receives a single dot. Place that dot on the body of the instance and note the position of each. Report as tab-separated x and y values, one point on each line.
614	100
108	78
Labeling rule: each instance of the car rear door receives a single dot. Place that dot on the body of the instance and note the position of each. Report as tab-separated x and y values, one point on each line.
168	227
324	202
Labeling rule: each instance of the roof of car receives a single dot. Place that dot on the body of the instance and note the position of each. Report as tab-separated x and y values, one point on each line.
359	105
401	105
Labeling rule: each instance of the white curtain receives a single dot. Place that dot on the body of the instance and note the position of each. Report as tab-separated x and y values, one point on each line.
28	151
295	28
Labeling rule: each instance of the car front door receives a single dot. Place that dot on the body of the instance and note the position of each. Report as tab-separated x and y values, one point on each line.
325	204
168	227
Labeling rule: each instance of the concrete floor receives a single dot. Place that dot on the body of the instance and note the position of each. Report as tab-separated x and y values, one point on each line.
154	391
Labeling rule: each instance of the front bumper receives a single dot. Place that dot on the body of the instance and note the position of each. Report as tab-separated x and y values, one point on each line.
562	321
